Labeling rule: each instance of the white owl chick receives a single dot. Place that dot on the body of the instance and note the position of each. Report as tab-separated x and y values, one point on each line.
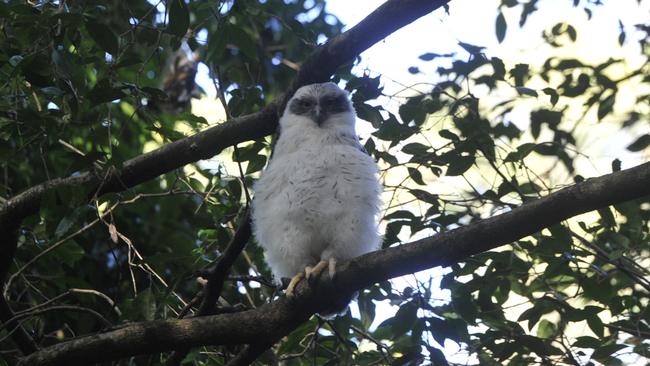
318	200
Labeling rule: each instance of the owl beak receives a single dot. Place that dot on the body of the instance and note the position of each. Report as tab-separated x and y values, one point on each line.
319	117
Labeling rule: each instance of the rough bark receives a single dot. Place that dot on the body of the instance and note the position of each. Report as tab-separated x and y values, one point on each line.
319	66
217	276
272	321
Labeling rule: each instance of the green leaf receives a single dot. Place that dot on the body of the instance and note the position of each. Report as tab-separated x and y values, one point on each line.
255	164
147	304
546	329
103	35
367	310
596	325
473	49
64	225
553	94
416	149
63	68
532	315
640	143
69	253
179	18
606	106
52	90
244	41
501	27
15	60
520	72
499	68
536	345
105	92
522	151
404	319
604	350
424	196
607	217
526	91
587	342
571	31
459	165
416	176
369	113
428	56
463	305
448	135
400	214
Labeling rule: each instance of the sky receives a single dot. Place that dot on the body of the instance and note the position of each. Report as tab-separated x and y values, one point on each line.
472	21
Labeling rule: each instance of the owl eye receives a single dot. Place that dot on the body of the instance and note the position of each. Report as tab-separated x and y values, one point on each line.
329	101
306	103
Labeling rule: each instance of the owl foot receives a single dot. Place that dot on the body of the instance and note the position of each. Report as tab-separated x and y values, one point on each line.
312	273
294	282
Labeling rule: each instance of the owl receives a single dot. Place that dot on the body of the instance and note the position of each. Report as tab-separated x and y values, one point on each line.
318	200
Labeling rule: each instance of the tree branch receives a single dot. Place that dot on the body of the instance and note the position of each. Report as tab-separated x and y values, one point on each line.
24	342
272	321
217	276
250	353
319	66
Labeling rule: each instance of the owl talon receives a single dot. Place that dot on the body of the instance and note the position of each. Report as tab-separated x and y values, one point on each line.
308	272
293	283
332	268
312	273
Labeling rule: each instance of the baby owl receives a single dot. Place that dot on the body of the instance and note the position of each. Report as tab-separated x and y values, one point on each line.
318	200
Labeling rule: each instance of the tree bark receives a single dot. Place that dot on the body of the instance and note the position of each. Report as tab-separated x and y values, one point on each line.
270	322
319	66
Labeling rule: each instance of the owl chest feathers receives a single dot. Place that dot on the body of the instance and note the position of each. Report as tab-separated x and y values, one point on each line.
317	177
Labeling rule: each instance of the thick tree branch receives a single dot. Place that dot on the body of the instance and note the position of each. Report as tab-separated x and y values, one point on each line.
218	275
318	67
270	322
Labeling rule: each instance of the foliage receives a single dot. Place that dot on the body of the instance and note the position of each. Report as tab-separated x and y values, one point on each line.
88	85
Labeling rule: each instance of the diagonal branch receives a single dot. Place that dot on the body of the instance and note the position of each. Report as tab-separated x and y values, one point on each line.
19	335
318	67
270	322
218	275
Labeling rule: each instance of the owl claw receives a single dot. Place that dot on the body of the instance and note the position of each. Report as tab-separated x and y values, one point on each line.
332	268
312	273
293	283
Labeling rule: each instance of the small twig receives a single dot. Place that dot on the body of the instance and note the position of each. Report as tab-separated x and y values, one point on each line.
261	280
249	354
54	246
313	336
61	307
635	332
216	78
220	272
383	349
188	307
72	291
15	329
217	276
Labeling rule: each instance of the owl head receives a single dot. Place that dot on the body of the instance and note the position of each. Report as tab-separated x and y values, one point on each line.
319	106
